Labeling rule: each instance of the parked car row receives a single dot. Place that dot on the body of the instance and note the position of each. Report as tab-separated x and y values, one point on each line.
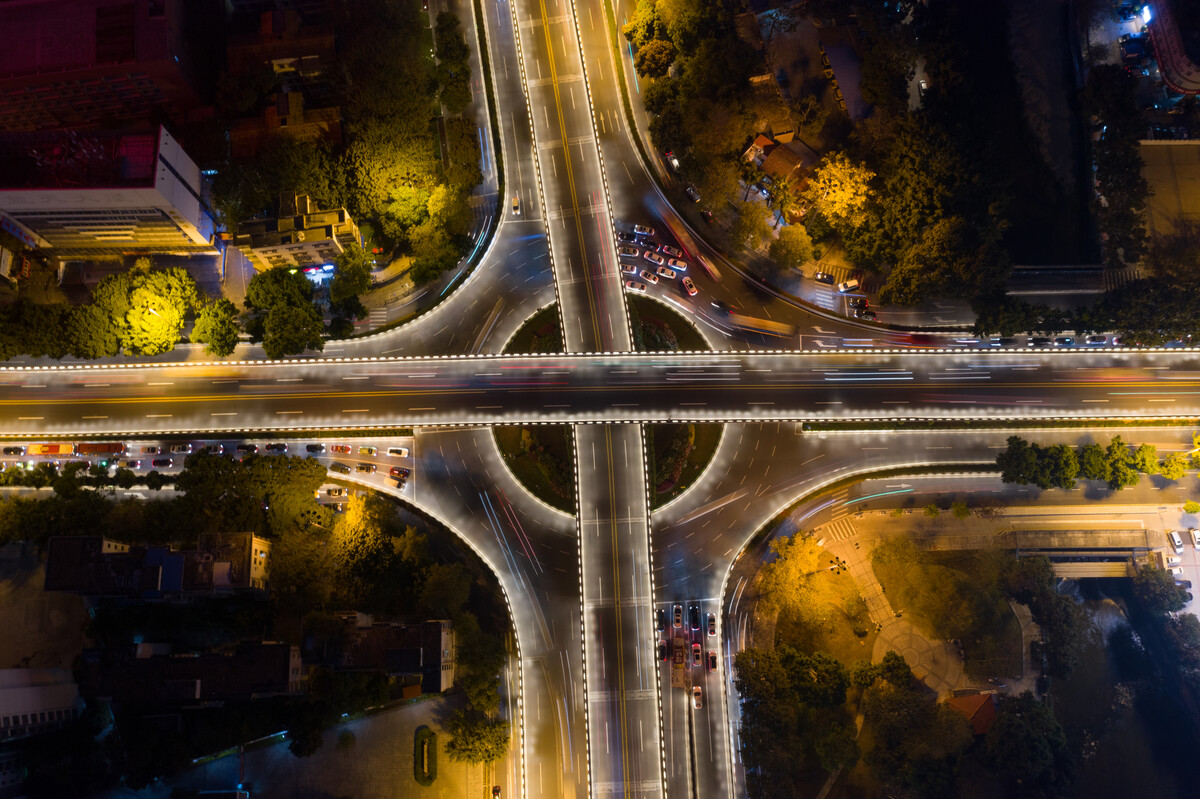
667	260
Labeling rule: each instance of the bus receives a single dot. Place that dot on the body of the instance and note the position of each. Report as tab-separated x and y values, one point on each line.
92	448
50	449
763	326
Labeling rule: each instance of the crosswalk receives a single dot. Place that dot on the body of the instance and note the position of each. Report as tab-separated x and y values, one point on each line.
840	530
1115	278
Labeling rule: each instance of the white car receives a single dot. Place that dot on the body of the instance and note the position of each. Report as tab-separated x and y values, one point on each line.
642	230
697	696
689	287
671	251
664	272
848	286
677	265
399	452
633	285
649	276
629	269
654	258
1176	542
628	252
1195	536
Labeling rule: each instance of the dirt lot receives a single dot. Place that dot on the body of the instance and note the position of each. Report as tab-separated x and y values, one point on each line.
41	629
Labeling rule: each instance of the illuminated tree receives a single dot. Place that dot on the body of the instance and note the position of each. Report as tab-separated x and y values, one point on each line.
654	58
840	188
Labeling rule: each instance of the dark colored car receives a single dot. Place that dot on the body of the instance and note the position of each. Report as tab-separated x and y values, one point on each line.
340	468
707	214
865	315
712	624
626	238
661	617
712	660
859	302
314	448
277	447
247	448
399	473
662	650
212	449
1039	341
14	450
161	463
694	616
823	277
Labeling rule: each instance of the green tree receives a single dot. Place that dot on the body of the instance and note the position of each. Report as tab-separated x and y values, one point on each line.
1157	590
1093	465
1120	464
278	286
453	71
752	225
1028	749
793	248
645	25
445	589
1174	466
960	510
290	331
1191	506
351	274
91	332
781	199
476	738
809	115
654	58
217	327
1145	459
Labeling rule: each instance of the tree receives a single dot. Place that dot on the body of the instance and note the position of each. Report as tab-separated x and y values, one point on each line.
786	578
1092	463
793	248
446	588
351	274
809	115
1174	466
781	199
1157	590
278	286
1191	506
840	189
217	327
1028	749
476	738
752	226
1145	459
454	73
645	25
1120	464
654	58
290	331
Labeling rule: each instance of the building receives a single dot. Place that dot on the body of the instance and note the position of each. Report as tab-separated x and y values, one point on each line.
152	675
104	193
978	709
424	650
285	115
94	63
300	235
33	701
1172	169
96	568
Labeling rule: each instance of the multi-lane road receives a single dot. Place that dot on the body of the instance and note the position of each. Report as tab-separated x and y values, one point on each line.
595	713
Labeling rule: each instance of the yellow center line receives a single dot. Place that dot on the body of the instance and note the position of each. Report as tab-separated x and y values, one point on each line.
612	520
562	130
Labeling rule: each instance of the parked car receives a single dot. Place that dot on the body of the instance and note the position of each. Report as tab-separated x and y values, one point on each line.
697	694
677	615
372	451
662	650
336	492
1064	342
696	654
1195	534
660	619
858	302
712	624
181	449
691	192
850	285
626	238
341	448
162	463
14	450
694	616
247	449
398	473
151	450
712	660
399	452
278	447
316	449
629	269
131	464
1176	542
823	277
365	468
340	468
633	285
212	449
689	287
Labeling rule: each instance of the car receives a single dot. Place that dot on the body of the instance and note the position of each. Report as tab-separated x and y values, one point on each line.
181	449
14	450
697	697
858	302
672	160
516	206
674	252
1039	341
823	277
399	473
865	314
131	464
712	624
648	276
626	238
366	468
633	285
315	449
277	447
1187	596
628	252
691	192
695	654
922	87
660	619
1126	12
642	230
151	450
677	615
689	286
399	452
1064	342
712	660
848	286
677	265
1195	534
340	468
708	215
654	258
368	451
1174	561
629	269
342	448
1096	341
694	616
495	792
662	650
162	463
1175	541
247	449
336	492
1184	584
1175	570
662	271
212	449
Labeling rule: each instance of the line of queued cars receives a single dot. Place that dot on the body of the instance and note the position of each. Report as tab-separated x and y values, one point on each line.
697	655
666	262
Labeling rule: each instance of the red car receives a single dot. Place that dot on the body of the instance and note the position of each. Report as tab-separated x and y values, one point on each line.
343	448
399	473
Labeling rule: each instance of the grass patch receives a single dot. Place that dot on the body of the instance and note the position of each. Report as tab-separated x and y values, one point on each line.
540	333
954	595
845	632
656	328
425	756
542	458
659	441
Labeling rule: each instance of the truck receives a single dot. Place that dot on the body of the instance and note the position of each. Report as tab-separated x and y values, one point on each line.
93	448
50	449
764	326
679	671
